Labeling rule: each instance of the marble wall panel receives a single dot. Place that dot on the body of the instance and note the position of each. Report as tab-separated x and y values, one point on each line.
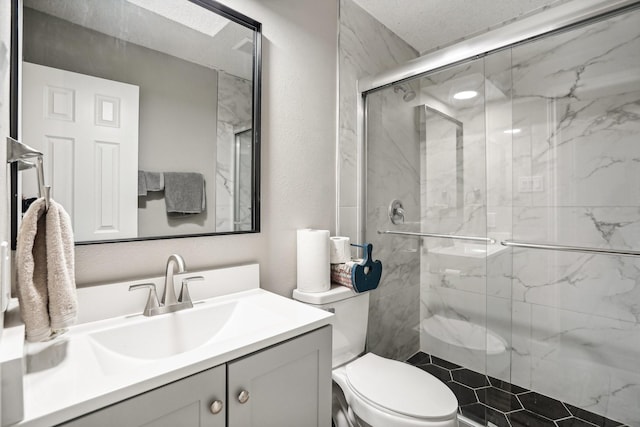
573	317
605	285
366	48
586	360
393	173
567	173
234	114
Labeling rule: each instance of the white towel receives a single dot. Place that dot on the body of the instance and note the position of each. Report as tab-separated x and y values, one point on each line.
45	266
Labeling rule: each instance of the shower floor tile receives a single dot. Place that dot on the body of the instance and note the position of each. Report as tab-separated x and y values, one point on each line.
498	399
440	373
490	401
484	415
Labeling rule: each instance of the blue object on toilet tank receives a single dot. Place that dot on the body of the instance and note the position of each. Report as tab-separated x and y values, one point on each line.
366	275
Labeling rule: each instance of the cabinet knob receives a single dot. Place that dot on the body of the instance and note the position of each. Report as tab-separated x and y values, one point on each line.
216	407
243	396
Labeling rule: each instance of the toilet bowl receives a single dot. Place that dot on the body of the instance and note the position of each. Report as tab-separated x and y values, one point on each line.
372	391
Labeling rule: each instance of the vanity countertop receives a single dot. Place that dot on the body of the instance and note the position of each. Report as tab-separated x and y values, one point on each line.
73	374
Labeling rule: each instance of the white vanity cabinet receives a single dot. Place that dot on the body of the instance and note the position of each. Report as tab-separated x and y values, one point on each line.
285	385
182	403
288	384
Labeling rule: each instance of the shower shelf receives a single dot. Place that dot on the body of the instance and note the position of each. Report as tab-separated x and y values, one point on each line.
515	244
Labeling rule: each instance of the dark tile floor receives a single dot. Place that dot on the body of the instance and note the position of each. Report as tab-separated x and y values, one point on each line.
490	401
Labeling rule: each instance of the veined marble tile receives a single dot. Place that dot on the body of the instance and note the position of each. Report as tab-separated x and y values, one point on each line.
500	332
521	344
578	383
457	272
582	151
366	47
570	321
625	397
576	64
587	283
393	173
234	110
576	99
393	323
451	339
224	178
566	335
583	354
234	98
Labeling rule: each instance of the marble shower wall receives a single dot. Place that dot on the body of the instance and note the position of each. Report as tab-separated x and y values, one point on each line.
456	312
576	99
367	48
567	171
551	154
234	115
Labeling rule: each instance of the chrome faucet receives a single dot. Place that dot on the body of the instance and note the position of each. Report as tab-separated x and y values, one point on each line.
169	301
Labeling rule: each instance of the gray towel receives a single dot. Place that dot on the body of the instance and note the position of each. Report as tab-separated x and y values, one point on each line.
184	192
46	271
142	184
155	181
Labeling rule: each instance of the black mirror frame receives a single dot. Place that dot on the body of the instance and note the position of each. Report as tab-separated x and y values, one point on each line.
211	5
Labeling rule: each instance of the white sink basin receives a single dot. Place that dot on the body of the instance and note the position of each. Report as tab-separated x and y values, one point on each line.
173	333
140	339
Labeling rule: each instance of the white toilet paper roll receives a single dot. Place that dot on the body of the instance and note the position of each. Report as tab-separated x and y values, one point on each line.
314	273
340	249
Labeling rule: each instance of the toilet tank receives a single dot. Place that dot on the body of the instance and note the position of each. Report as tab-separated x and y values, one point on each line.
351	315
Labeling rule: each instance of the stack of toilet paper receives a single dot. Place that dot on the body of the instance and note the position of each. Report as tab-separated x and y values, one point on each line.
316	253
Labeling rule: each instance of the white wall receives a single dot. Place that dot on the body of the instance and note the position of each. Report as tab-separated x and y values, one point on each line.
298	157
5	51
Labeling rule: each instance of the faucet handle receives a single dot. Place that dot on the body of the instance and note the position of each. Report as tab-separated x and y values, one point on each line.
184	290
152	300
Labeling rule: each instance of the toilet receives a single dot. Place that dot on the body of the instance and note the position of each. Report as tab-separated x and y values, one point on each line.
369	390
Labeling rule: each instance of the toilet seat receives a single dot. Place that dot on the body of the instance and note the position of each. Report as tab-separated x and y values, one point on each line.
385	392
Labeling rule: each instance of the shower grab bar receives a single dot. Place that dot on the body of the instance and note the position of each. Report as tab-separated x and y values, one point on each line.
564	248
440	236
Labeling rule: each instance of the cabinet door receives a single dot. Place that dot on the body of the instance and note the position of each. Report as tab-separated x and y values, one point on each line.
286	385
184	403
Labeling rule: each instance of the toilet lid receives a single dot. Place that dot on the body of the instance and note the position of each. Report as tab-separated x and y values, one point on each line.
401	388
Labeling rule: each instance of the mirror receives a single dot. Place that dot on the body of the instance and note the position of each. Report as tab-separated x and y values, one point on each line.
148	115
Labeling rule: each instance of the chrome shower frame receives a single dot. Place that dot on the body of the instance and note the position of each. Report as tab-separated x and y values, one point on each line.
528	28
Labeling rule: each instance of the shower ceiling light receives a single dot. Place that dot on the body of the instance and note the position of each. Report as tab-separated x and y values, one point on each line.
513	131
465	94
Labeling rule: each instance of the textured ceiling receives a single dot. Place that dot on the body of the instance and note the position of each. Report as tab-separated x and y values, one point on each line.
429	24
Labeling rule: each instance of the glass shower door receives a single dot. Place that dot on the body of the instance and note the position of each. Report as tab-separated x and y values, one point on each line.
576	178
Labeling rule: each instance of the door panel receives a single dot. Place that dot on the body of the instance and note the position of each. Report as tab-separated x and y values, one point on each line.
87	128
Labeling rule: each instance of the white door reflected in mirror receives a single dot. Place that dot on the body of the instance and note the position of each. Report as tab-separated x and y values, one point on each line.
87	129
